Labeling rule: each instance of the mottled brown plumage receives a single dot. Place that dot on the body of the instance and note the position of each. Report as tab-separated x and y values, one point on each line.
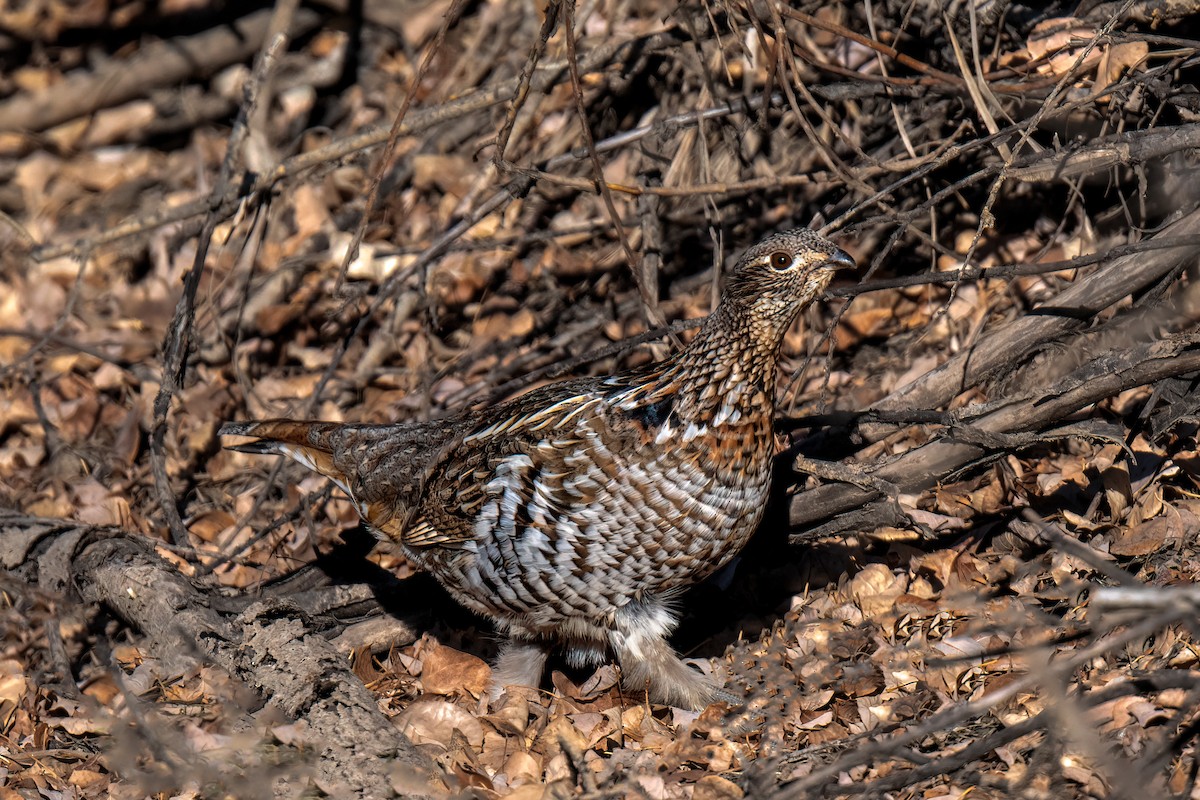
576	513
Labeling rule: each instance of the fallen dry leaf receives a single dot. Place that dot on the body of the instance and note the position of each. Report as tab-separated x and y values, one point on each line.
435	721
452	672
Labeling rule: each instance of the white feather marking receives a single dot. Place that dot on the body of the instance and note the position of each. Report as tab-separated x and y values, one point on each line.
538	420
578	410
539	506
507	483
514	464
693	430
488	431
496	428
534	542
664	433
485	521
723	413
631	398
554	409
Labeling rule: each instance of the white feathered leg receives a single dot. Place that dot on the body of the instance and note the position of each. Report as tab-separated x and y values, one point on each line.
520	663
648	664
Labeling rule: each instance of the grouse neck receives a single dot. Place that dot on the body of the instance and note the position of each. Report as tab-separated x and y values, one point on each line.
725	374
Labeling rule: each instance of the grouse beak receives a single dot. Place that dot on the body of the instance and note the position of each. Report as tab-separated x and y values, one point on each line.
841	260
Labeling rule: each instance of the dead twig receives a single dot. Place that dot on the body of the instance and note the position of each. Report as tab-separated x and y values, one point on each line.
178	338
389	146
157	64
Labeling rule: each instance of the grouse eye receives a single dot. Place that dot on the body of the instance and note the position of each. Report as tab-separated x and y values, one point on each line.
781	260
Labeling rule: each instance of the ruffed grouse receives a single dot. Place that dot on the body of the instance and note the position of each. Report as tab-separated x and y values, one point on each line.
576	513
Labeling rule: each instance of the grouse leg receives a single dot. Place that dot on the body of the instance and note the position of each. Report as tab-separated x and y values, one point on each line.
521	663
649	664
